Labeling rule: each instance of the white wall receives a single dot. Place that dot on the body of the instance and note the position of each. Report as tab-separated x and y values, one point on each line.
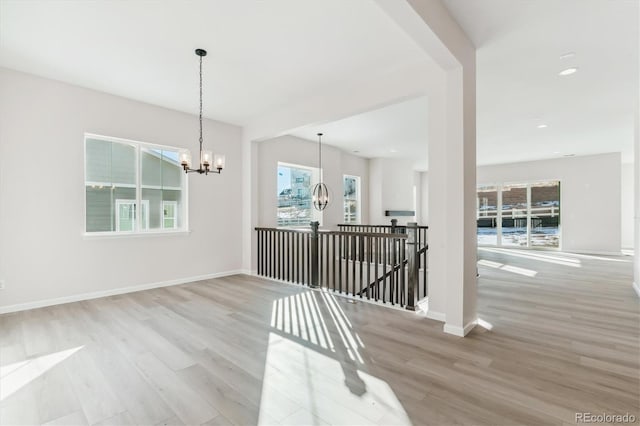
424	199
590	196
43	254
335	162
627	206
391	188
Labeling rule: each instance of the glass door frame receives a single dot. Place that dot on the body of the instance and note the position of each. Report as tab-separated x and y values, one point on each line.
499	187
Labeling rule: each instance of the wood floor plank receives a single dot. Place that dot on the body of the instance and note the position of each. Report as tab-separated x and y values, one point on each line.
184	400
245	350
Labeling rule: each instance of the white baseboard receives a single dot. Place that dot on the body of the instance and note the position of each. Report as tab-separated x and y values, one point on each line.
438	316
111	292
636	287
459	331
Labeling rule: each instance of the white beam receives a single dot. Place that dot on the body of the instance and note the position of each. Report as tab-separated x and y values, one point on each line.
452	161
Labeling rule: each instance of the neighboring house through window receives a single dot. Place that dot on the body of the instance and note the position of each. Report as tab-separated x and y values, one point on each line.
295	184
351	199
121	175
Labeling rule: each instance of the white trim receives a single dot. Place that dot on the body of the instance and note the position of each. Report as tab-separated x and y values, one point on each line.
175	213
112	292
460	331
138	217
636	287
150	233
111	185
434	315
423	306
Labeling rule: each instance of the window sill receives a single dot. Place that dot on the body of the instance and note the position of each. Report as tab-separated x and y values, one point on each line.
159	233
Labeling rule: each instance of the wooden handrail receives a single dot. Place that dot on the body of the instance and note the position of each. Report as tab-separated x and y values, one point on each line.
380	226
387	267
329	232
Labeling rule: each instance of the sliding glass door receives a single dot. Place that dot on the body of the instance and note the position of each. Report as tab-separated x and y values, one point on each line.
519	214
545	214
514	209
488	214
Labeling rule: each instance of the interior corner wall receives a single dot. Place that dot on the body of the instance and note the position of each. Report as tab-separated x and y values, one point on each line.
336	163
391	187
424	198
627	206
590	194
43	253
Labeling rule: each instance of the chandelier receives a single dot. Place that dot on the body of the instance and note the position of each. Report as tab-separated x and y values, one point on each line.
320	194
209	163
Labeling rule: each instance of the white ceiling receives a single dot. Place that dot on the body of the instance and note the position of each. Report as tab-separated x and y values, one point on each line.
519	48
518	88
395	131
262	54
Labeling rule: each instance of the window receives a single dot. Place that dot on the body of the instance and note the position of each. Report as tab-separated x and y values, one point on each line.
295	184
125	177
487	214
351	199
126	216
169	210
519	214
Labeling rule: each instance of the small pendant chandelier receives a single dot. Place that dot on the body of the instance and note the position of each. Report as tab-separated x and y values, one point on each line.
320	192
209	163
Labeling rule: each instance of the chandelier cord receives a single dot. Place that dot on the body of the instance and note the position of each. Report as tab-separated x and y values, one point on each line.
320	154
200	111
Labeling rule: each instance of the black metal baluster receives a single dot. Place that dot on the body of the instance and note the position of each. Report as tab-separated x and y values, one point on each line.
340	243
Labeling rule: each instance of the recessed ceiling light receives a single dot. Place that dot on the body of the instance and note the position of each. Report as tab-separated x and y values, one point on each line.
567	55
557	152
356	151
393	150
542	126
568	71
568	155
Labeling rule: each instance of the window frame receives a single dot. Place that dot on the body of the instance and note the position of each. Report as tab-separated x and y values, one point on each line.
499	214
315	178
138	232
358	200
175	213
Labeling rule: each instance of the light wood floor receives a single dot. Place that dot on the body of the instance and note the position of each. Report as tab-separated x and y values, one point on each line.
563	338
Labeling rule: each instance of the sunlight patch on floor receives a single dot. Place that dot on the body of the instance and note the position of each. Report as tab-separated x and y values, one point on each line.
508	268
17	375
606	259
531	255
310	316
301	382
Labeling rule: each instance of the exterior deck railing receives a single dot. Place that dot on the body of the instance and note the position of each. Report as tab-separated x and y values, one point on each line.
379	266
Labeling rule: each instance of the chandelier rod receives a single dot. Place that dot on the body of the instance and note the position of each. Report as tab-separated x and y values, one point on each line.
201	111
320	154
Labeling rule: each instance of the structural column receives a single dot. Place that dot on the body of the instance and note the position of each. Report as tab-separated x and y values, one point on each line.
452	160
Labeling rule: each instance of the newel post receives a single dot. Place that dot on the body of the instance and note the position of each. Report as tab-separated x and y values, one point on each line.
315	281
394	225
412	263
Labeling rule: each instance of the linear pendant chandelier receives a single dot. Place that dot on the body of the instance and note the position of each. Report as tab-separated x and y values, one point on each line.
209	163
320	193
